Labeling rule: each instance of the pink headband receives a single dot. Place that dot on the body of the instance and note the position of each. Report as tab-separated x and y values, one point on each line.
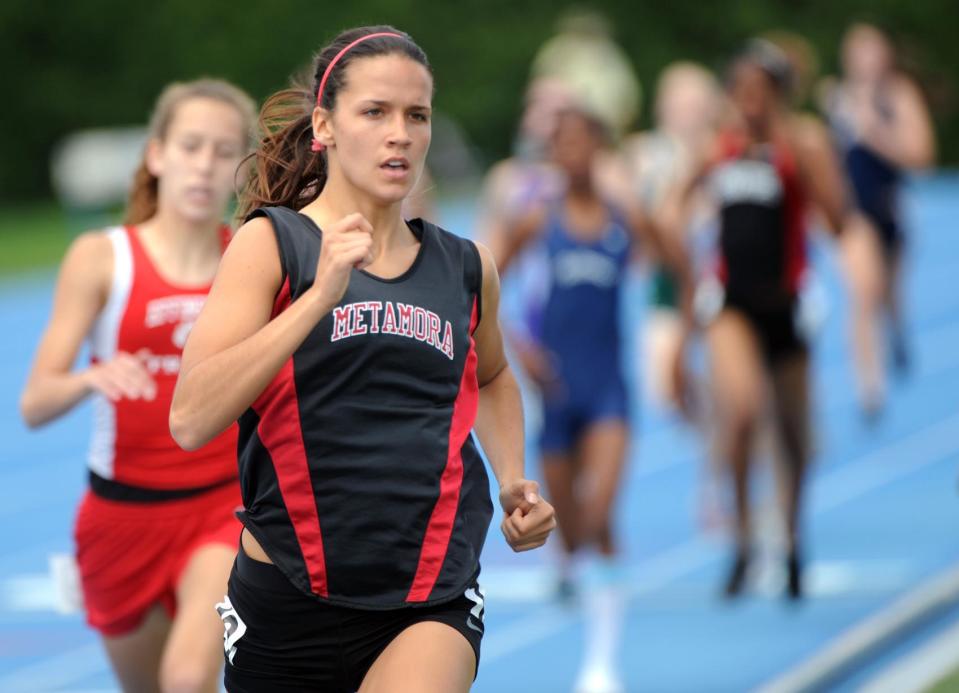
317	146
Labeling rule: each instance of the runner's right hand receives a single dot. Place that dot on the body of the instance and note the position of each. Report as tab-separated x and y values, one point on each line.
346	245
539	365
122	377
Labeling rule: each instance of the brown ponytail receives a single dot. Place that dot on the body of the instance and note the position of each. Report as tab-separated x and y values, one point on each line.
285	172
142	201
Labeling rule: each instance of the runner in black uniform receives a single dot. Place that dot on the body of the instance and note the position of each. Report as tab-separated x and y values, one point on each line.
357	350
765	170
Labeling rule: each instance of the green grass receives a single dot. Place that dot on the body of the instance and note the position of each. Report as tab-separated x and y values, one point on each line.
950	684
34	237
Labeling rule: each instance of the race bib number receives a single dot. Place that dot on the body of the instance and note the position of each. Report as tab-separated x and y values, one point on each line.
233	627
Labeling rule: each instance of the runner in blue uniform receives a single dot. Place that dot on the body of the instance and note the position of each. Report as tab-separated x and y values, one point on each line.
585	434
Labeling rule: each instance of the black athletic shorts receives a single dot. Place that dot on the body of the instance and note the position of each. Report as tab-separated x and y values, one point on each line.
279	639
774	322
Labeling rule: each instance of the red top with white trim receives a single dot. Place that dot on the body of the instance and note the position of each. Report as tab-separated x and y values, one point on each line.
150	317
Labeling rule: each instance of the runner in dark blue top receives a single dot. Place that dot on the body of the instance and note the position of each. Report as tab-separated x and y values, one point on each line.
357	350
882	128
580	327
579	372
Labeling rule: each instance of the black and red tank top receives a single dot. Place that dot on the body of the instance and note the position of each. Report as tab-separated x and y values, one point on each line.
761	235
359	474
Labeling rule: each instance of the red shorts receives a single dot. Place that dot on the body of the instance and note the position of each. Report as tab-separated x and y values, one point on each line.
131	555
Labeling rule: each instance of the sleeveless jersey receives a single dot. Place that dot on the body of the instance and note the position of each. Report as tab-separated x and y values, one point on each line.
874	179
359	474
147	316
761	233
580	321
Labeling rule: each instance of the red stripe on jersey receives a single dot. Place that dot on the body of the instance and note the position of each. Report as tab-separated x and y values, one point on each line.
282	436
794	209
722	270
440	527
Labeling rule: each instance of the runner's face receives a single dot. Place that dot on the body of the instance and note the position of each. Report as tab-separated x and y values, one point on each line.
380	129
866	54
196	161
574	145
752	93
688	104
545	101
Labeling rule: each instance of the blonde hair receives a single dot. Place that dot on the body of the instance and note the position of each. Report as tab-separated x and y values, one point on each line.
142	201
691	75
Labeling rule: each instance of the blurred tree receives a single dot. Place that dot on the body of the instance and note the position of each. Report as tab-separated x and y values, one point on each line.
102	62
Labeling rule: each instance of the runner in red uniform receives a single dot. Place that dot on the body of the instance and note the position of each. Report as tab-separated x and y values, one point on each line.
155	533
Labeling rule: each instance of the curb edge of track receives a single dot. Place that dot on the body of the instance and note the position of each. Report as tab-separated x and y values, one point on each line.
855	645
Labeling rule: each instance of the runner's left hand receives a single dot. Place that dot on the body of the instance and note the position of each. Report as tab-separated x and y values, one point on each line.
527	517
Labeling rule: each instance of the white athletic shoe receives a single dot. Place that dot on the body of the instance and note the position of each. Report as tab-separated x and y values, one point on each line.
598	681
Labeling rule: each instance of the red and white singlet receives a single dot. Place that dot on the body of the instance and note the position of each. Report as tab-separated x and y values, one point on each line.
148	316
